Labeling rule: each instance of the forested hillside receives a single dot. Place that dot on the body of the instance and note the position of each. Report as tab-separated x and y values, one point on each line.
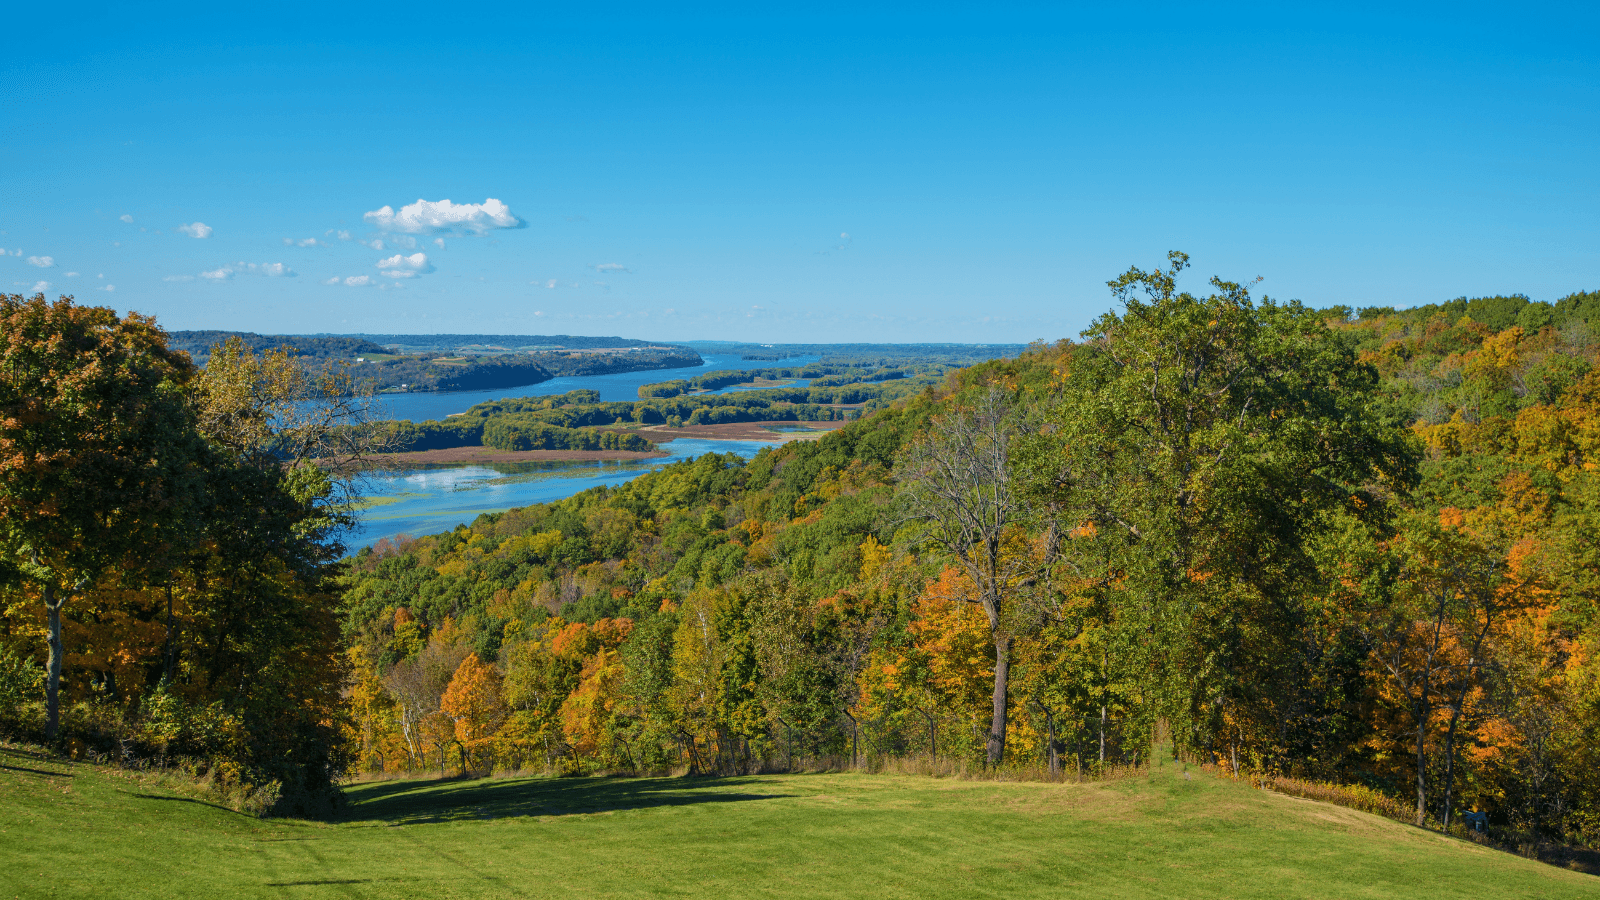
1350	549
1353	549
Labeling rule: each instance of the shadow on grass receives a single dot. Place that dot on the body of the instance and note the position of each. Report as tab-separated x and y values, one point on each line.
185	800
17	754
35	771
451	800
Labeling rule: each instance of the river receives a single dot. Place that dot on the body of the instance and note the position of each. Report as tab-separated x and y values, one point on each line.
422	406
430	500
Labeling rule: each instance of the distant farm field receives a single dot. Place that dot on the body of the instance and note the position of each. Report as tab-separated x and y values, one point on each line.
80	831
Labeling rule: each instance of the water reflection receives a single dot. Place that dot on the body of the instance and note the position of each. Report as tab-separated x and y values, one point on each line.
428	500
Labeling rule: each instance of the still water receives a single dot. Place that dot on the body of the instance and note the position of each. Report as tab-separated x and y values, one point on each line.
430	500
620	386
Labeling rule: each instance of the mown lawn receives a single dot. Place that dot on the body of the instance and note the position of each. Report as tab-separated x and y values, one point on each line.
79	831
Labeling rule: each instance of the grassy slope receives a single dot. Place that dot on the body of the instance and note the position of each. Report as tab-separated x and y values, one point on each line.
78	831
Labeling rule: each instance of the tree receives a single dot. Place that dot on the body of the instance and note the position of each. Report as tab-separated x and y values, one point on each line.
417	684
1452	594
957	481
473	701
270	411
1200	443
96	452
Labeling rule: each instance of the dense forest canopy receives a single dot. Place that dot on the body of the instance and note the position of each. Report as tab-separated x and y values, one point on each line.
1352	547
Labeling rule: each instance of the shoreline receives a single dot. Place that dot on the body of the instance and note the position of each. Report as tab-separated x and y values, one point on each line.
736	431
477	453
741	431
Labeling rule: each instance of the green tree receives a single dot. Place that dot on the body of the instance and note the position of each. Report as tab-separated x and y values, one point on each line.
1198	446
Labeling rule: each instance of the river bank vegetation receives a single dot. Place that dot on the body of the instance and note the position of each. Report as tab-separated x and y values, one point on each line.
1350	548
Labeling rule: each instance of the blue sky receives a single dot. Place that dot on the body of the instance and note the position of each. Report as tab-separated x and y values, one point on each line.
830	173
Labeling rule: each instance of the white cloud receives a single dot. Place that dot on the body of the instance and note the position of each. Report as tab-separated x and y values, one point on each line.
341	234
16	252
538	312
358	280
178	278
439	242
40	287
550	284
375	243
43	262
425	217
303	242
196	229
126	218
72	274
221	273
415	264
271	270
611	267
108	288
333	280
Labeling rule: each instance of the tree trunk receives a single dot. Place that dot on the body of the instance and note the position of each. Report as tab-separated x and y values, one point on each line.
1103	737
1450	762
1002	678
166	670
1052	750
1422	763
52	685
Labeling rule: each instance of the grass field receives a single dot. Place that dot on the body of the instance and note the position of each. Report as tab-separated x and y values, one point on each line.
81	831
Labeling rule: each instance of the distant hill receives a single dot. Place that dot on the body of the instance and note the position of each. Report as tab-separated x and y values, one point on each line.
446	343
865	354
198	344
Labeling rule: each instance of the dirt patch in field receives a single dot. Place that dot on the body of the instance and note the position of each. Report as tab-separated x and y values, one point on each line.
742	431
481	454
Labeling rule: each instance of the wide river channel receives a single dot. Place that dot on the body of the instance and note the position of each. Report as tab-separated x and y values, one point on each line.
431	499
620	386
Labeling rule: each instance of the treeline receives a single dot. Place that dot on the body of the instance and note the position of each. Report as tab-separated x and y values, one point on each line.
1354	551
577	420
468	343
321	348
384	369
509	433
434	372
820	375
1497	313
873	355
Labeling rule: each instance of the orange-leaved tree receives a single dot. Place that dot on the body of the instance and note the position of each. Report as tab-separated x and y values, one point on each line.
473	701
